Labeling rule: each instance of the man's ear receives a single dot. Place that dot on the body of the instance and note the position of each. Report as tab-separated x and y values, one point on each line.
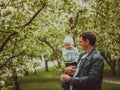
87	41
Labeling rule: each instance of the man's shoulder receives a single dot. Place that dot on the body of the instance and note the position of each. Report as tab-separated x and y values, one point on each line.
97	55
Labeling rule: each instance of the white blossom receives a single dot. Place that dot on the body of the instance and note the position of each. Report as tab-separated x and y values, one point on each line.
2	83
9	9
26	7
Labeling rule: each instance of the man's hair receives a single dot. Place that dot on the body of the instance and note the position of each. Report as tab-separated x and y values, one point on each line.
89	36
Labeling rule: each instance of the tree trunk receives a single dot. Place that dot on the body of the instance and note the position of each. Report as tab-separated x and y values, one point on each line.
26	73
35	71
15	80
46	65
119	66
111	63
113	67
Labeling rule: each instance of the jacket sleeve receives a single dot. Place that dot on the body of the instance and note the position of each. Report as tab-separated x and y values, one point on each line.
94	74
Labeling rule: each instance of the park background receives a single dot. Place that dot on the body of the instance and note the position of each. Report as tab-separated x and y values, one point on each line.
32	33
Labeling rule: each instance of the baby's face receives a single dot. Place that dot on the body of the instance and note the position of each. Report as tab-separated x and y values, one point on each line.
68	46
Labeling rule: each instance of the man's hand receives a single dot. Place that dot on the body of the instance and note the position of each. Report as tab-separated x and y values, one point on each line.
70	70
65	78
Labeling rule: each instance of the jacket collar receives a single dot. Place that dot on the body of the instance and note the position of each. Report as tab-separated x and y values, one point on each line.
91	53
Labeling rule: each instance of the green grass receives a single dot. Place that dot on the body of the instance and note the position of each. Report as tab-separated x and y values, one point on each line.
50	81
110	86
40	84
41	81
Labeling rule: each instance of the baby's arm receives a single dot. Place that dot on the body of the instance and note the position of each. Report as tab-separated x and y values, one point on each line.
64	54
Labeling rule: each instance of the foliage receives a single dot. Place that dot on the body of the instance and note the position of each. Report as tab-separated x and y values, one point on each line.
106	25
5	83
33	28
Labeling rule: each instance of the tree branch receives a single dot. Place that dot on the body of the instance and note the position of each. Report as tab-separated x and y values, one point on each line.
33	17
47	43
6	40
14	33
106	59
1	66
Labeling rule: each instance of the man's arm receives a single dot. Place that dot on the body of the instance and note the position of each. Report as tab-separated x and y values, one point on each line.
70	70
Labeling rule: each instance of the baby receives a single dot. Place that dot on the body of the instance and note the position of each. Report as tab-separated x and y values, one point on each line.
69	52
70	55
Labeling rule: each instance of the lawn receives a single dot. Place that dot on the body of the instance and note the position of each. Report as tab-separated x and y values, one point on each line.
110	86
50	81
41	81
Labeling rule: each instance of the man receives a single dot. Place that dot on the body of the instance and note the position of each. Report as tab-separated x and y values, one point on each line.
88	73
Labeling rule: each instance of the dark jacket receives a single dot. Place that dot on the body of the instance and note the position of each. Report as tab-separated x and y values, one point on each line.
90	72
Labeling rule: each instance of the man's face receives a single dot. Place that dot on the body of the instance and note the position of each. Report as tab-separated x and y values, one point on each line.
83	44
68	46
